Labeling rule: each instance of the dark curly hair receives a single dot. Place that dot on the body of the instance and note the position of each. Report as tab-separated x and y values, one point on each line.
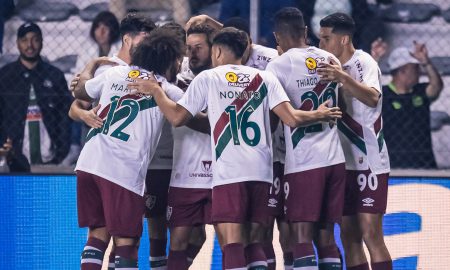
134	23
158	51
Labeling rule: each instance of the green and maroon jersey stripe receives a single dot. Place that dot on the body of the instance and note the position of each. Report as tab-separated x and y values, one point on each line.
144	103
353	131
239	103
254	102
379	132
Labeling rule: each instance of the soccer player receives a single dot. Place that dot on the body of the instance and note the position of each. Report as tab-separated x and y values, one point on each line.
110	197
133	28
238	99
367	160
314	168
189	199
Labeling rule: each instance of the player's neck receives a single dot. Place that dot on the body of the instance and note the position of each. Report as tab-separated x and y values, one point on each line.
347	54
124	55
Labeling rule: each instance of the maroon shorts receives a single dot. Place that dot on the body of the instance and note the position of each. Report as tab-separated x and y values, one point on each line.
241	203
157	186
189	206
316	195
365	192
276	192
101	203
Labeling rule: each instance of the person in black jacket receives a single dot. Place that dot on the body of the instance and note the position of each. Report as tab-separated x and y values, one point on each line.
34	101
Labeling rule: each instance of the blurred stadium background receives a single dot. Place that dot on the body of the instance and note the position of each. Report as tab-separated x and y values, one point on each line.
38	211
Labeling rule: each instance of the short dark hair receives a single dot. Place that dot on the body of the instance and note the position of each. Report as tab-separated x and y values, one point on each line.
108	19
236	40
177	28
341	23
158	51
238	23
205	29
133	23
289	20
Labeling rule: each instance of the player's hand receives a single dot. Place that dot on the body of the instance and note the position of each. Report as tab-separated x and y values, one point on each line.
330	72
6	149
328	114
420	52
378	49
146	87
74	83
203	19
90	117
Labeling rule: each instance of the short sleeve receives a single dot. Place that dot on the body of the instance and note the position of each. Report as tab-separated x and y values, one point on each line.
371	74
94	86
275	91
195	98
173	92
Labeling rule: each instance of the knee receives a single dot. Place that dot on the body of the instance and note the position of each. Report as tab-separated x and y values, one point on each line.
372	235
257	233
100	233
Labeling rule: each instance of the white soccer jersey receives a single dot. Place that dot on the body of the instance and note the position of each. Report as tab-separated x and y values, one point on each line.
121	149
163	157
316	145
361	127
261	56
238	99
192	159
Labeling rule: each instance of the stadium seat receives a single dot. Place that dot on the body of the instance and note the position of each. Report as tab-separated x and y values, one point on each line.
89	13
48	11
442	63
409	12
65	63
446	15
7	58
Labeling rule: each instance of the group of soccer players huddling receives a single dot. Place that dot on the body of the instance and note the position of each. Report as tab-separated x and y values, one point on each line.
205	127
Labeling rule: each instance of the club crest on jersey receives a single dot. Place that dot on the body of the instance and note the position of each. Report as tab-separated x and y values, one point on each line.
206	165
237	80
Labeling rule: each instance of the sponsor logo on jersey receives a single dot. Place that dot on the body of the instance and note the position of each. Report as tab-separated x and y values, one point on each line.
311	64
368	202
135	74
272	202
206	168
237	79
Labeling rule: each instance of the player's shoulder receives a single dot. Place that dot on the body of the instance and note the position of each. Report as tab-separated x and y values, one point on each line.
363	58
265	51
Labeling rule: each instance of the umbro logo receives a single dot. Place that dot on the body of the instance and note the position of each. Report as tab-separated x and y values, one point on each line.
368	202
272	202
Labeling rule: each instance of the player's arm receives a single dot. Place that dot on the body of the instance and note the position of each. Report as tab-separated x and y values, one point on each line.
295	118
435	83
176	114
200	123
79	111
333	72
78	84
